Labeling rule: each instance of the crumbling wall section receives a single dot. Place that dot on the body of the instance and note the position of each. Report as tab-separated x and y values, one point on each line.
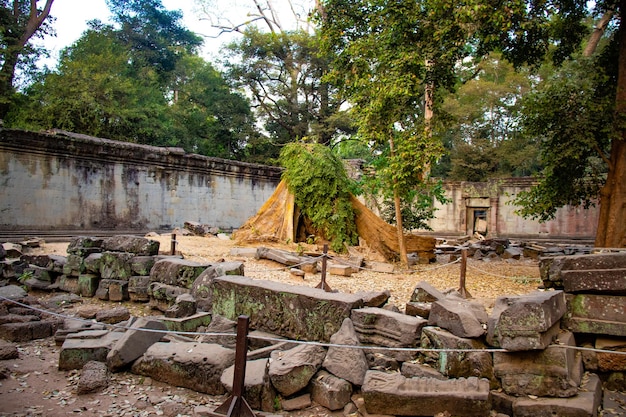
65	181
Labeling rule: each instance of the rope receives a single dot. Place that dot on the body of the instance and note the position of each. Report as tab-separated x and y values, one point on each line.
501	276
299	342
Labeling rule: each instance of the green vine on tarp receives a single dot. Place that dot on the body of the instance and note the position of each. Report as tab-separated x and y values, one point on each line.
320	184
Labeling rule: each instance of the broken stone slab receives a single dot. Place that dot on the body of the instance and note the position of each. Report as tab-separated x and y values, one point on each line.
329	391
112	290
418	309
584	404
288	258
186	324
141	265
374	298
8	350
138	288
420	370
602	272
526	322
177	272
162	296
197	366
512	252
297	403
596	314
184	306
92	263
132	244
457	364
456	316
74	326
553	372
244	252
347	363
426	293
12	250
201	287
93	378
113	315
13	292
291	311
31	330
79	242
80	348
258	391
116	265
392	393
224	332
377	326
135	342
291	370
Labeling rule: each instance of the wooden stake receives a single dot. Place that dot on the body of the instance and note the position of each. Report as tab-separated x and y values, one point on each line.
462	289
323	285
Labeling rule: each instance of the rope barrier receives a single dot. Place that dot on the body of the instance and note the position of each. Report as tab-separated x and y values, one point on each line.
290	341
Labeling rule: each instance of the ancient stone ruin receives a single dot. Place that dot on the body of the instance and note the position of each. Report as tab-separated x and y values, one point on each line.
547	353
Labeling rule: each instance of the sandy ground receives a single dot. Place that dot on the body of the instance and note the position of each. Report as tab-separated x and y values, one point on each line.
35	387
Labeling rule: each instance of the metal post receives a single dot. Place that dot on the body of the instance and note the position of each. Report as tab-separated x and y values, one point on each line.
236	405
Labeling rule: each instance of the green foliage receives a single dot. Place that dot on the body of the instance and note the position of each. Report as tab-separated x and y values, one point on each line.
417	209
283	74
571	115
321	188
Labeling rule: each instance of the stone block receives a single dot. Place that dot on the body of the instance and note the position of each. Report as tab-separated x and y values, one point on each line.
201	287
258	391
134	342
93	378
608	361
138	288
69	283
418	309
136	245
88	284
457	364
526	322
178	272
118	290
377	326
141	265
329	391
396	395
553	372
297	403
186	324
595	314
116	265
80	348
162	296
244	252
294	312
113	315
92	263
347	363
374	298
340	269
291	370
31	330
197	366
74	266
456	316
426	293
584	404
596	273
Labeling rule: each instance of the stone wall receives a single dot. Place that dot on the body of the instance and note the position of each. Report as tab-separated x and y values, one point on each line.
64	181
485	207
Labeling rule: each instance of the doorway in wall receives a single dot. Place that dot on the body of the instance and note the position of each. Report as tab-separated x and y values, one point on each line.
477	220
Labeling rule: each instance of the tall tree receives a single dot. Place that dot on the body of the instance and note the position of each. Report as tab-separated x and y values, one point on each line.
20	21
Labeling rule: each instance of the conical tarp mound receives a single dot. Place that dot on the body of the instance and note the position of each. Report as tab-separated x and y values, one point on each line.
279	220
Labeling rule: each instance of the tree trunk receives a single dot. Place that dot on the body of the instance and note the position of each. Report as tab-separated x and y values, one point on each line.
404	257
612	221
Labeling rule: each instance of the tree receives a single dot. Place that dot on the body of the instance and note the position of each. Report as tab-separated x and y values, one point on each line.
392	60
20	21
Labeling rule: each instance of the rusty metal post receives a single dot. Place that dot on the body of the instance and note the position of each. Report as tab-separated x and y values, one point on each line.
323	285
462	289
173	245
236	405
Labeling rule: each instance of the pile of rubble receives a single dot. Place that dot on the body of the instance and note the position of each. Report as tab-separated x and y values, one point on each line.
350	352
503	248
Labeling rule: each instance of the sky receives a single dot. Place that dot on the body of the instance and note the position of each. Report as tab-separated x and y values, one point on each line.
72	17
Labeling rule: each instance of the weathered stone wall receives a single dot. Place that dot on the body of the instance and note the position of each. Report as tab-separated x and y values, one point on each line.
491	199
64	181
